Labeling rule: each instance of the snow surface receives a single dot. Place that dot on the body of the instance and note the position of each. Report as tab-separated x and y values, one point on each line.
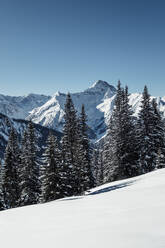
124	214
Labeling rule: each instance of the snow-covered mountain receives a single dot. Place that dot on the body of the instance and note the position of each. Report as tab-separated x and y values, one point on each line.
7	123
19	107
136	98
123	214
97	100
49	111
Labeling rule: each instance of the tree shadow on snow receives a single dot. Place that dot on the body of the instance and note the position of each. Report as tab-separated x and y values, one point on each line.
111	188
71	199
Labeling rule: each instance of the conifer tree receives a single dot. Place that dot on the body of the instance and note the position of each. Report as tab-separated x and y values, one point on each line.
119	154
97	166
100	174
146	140
94	164
51	177
129	163
81	175
30	168
69	150
10	176
158	133
107	154
112	145
85	158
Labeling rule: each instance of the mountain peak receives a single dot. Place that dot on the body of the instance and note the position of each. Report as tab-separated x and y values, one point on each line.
100	84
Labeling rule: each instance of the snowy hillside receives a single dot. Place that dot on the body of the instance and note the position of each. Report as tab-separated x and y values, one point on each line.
123	214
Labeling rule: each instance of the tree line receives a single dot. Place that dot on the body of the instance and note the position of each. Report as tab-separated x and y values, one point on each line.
132	146
64	169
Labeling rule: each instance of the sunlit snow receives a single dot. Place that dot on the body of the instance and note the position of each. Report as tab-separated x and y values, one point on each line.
124	214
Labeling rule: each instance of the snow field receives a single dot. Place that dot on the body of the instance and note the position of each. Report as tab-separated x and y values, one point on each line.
124	214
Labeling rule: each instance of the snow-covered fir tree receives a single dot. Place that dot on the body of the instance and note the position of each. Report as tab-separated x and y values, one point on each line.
30	183
70	145
129	153
10	176
111	150
119	154
94	164
81	175
51	174
158	133
100	168
85	159
23	172
145	134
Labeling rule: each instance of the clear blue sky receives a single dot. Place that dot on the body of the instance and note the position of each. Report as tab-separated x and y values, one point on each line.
65	45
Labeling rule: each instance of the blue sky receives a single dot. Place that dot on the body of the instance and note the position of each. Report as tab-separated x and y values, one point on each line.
66	45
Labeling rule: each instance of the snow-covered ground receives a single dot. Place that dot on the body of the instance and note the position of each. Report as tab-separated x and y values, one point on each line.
123	214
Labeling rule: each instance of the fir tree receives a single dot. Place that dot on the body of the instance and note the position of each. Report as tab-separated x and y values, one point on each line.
10	176
158	133
112	144
51	178
100	168
94	164
129	163
81	176
85	158
30	168
69	150
119	154
107	155
146	139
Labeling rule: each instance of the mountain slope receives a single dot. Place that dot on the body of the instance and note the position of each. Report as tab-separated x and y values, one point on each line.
19	107
123	214
7	123
98	97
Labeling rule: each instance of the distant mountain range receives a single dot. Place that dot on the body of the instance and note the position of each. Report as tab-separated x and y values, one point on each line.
7	123
48	111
